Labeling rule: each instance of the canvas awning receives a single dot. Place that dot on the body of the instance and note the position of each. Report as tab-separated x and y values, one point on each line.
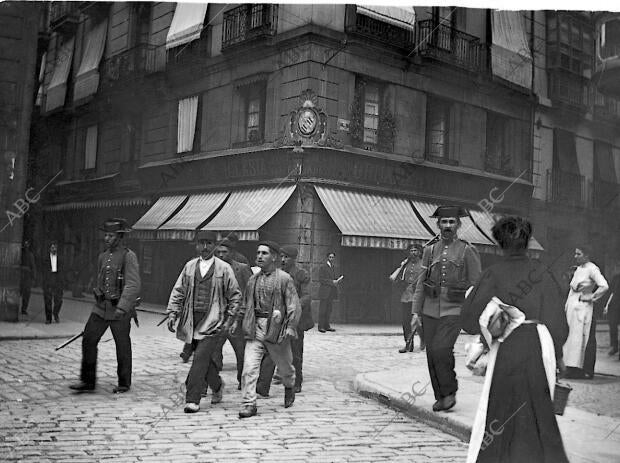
372	220
394	15
468	231
57	89
485	222
87	80
98	203
159	212
187	24
246	211
511	58
197	209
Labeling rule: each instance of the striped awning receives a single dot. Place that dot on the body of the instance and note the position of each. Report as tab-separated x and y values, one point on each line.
197	209
468	231
395	15
486	220
187	24
247	210
372	220
118	202
159	212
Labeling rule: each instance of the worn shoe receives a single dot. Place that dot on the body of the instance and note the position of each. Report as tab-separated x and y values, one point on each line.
56	319
445	404
120	389
247	411
403	350
612	351
289	396
321	330
191	408
297	389
82	387
331	329
48	322
185	356
262	394
437	406
217	396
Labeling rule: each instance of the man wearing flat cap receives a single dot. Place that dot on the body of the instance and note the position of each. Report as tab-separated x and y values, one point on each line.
449	267
301	278
118	286
203	305
242	273
272	312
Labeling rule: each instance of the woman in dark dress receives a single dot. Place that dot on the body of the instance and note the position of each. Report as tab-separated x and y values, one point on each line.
520	424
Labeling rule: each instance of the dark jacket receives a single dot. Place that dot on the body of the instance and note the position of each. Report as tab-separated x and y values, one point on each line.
301	278
242	274
327	288
50	279
526	284
284	299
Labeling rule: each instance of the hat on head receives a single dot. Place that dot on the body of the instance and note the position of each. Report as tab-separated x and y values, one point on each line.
275	247
290	251
450	211
115	225
205	235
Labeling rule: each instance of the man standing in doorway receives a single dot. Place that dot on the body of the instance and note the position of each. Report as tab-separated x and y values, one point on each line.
449	267
205	301
270	322
328	291
118	287
53	283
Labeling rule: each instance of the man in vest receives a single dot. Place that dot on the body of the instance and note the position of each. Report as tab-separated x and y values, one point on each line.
270	322
205	301
449	267
118	287
301	278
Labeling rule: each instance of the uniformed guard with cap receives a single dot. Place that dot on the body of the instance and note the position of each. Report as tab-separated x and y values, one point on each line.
118	287
449	267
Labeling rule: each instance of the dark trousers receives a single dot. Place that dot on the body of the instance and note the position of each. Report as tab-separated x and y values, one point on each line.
440	335
325	312
612	317
267	366
94	329
204	370
237	341
589	356
25	290
406	319
52	293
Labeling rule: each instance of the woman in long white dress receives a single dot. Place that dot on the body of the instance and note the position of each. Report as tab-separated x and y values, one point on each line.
587	285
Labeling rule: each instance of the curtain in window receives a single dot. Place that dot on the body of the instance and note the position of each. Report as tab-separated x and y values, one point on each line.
511	58
57	90
186	128
87	80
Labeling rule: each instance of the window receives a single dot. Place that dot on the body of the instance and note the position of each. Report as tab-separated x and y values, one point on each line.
254	113
570	42
610	38
186	124
90	148
437	129
371	114
147	259
508	146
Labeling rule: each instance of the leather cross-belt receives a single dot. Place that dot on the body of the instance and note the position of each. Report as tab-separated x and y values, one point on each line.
260	314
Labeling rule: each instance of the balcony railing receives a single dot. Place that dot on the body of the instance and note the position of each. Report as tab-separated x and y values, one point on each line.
64	15
249	22
383	32
133	63
569	89
605	194
567	188
447	44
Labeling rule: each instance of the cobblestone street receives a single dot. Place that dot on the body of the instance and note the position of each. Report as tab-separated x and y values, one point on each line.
42	421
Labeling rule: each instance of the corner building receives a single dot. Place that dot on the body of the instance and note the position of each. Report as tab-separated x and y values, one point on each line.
330	127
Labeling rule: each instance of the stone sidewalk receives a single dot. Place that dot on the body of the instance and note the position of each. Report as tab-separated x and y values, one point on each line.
588	437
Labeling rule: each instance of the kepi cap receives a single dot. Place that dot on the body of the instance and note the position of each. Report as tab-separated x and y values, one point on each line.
450	211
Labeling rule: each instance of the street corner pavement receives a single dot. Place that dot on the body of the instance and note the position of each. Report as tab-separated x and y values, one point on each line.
589	436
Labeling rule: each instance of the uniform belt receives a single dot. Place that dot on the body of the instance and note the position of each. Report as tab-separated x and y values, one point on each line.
260	314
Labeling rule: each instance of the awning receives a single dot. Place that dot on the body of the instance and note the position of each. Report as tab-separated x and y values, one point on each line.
187	24
87	80
468	231
394	15
511	58
247	210
486	221
372	220
100	203
197	209
57	89
159	212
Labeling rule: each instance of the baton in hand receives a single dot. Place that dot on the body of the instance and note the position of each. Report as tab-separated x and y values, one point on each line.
69	341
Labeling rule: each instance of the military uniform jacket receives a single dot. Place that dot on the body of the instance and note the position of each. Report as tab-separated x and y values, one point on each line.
109	265
452	265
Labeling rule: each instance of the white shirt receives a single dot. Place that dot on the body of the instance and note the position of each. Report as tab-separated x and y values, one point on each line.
205	265
54	261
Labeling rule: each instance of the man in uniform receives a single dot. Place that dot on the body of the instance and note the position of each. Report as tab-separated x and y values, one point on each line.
205	301
271	315
118	286
242	274
450	266
301	279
